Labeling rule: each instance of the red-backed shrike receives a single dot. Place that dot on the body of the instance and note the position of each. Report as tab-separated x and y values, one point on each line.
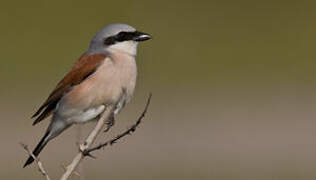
104	74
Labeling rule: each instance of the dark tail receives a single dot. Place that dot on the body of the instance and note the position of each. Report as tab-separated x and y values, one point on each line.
38	149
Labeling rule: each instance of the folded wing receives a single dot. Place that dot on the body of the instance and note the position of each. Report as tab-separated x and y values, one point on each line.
84	67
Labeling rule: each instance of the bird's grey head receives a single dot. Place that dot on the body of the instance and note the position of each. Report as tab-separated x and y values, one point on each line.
117	37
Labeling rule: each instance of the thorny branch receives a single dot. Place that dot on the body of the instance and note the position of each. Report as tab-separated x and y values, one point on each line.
88	142
127	132
85	147
38	162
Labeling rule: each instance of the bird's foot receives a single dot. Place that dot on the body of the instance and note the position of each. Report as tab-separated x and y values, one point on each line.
109	123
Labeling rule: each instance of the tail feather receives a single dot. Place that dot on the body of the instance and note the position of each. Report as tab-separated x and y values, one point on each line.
38	149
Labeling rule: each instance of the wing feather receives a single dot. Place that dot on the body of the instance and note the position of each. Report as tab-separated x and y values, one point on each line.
84	67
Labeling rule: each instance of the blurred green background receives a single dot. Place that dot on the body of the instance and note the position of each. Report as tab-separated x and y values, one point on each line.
232	81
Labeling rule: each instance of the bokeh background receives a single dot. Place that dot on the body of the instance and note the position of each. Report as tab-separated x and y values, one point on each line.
232	81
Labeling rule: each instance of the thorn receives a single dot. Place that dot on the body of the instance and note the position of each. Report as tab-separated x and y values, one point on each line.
105	144
91	156
113	142
86	153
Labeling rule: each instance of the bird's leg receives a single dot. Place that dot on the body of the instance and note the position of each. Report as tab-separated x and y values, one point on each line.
110	122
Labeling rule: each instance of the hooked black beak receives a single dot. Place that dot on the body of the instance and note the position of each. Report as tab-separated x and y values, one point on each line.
140	36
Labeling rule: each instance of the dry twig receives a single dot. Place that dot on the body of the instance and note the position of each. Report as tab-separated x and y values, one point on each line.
91	138
38	162
127	132
85	148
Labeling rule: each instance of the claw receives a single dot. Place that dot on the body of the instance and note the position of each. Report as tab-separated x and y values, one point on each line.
110	122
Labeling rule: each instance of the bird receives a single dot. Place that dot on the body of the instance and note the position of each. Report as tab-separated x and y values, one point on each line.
104	74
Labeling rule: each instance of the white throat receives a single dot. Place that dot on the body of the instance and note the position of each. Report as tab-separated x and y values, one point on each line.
128	47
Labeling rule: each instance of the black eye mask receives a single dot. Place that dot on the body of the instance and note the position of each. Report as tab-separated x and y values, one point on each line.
122	36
